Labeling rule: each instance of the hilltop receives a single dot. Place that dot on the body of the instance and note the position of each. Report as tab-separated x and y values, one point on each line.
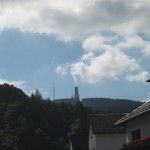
111	105
105	105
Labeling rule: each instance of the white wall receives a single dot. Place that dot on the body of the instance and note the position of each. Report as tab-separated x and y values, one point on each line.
92	140
142	122
110	141
71	146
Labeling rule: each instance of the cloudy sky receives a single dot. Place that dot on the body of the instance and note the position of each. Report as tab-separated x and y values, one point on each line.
101	46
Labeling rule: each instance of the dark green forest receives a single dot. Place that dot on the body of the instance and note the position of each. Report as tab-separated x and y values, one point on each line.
111	105
35	123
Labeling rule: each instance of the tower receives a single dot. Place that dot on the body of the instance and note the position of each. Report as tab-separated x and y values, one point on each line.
76	94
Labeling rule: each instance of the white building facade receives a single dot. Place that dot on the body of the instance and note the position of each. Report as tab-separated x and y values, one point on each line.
137	125
103	135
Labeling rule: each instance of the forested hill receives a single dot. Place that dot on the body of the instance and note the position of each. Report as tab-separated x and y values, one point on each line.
35	123
105	105
9	93
111	105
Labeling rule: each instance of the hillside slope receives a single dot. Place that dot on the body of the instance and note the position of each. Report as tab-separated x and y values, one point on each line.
111	105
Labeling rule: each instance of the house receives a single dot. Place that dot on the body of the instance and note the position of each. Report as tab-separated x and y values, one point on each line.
103	135
79	142
137	124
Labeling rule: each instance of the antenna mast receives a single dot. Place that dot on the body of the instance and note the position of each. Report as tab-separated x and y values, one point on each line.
53	91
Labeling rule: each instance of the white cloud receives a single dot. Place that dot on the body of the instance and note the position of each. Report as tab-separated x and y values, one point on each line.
117	41
101	42
75	19
106	58
135	41
62	69
141	77
18	84
106	66
94	43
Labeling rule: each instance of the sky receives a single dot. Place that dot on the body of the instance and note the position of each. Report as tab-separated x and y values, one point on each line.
101	46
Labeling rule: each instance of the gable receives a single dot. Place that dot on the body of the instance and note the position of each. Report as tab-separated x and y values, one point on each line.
145	108
104	123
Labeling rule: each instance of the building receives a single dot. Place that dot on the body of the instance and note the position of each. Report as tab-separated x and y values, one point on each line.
103	135
137	124
76	94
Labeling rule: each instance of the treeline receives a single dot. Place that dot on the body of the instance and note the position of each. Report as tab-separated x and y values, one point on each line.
105	105
34	123
109	105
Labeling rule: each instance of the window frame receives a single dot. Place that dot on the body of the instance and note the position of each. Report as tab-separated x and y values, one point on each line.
136	134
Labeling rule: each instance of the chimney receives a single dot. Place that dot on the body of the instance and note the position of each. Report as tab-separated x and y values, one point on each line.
76	95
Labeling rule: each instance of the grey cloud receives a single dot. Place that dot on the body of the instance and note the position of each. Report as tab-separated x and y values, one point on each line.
66	23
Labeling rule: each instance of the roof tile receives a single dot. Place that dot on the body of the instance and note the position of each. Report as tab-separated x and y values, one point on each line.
104	123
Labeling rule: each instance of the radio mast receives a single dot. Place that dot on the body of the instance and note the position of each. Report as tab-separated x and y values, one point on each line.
53	91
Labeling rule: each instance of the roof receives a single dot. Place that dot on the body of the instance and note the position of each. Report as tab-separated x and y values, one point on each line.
135	113
79	141
104	123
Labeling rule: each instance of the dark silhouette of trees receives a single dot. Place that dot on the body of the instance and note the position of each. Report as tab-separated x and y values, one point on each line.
108	105
34	123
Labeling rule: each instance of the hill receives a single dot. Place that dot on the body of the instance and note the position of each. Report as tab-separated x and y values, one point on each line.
9	93
66	101
34	123
111	105
104	105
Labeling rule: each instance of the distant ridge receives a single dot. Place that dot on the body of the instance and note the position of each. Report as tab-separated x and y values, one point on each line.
111	105
105	105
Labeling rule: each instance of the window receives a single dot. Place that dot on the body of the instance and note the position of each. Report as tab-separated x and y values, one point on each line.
136	134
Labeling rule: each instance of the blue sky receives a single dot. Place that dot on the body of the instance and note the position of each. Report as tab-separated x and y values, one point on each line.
101	46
